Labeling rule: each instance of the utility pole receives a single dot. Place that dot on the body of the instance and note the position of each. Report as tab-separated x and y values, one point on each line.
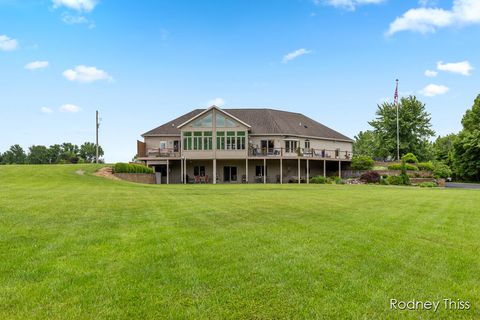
398	129
96	131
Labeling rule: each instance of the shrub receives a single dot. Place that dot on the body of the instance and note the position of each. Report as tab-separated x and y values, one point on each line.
399	166
405	178
395	180
362	163
441	170
337	180
409	158
427	185
370	177
318	180
131	168
425	166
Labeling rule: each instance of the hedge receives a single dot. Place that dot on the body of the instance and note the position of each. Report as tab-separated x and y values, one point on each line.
362	163
398	166
410	158
425	166
131	168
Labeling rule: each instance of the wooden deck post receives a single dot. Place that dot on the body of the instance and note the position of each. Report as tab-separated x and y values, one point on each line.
340	169
168	173
185	170
214	178
298	170
324	168
264	170
246	170
281	171
308	173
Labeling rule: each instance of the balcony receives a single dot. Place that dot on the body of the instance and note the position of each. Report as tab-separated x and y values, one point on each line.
300	152
163	153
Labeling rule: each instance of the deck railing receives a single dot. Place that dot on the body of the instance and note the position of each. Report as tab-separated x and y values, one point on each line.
163	153
300	152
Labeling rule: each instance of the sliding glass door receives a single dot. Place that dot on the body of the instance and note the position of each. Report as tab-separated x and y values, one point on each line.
229	174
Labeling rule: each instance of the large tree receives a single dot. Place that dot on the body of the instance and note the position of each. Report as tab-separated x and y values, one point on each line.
367	144
415	128
15	155
443	148
38	155
467	145
88	151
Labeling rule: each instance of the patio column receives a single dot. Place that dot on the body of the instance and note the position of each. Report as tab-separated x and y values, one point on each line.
168	173
308	173
246	170
214	178
324	168
281	171
298	170
340	169
264	170
185	170
181	170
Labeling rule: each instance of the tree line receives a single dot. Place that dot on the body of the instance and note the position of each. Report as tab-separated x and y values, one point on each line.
459	151
58	153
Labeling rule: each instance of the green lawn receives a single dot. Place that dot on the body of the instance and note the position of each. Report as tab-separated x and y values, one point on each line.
74	246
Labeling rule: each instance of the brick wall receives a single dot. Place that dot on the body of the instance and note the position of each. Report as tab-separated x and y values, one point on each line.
146	178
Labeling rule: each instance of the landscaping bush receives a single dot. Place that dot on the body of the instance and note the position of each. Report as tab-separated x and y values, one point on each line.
319	180
370	177
362	163
409	158
338	180
425	166
428	185
394	180
131	168
399	166
441	170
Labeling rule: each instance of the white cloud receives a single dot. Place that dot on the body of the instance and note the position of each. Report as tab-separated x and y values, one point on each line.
295	54
7	44
431	73
434	90
463	68
86	74
426	20
219	102
78	5
346	4
69	19
34	65
46	110
71	108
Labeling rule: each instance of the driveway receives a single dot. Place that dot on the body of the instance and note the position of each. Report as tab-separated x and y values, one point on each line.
462	185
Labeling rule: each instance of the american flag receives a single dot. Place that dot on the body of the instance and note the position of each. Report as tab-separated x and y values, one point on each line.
395	96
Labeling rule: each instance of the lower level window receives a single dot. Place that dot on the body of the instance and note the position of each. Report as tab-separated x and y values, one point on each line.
199	171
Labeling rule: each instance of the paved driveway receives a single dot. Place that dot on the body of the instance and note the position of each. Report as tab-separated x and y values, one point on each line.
462	185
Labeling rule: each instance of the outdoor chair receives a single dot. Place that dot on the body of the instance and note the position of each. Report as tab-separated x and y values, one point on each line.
206	179
197	179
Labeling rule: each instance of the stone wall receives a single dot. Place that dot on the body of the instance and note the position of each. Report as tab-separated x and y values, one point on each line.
146	178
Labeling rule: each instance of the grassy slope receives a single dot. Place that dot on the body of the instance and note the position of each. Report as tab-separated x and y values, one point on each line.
85	247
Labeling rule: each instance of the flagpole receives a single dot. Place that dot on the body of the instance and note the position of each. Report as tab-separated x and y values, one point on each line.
398	130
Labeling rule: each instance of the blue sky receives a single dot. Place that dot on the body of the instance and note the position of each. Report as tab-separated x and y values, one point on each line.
142	63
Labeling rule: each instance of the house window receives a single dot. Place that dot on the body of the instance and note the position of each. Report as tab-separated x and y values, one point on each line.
207	140
224	122
197	140
199	171
205	122
259	171
290	146
221	140
307	144
231	140
240	140
187	141
163	145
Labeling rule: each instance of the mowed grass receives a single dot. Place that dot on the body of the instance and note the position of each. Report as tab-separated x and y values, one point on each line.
84	247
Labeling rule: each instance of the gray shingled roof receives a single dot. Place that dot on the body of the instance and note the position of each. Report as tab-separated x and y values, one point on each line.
263	121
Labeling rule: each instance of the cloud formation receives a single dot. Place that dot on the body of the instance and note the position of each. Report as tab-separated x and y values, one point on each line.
424	20
78	5
34	65
86	74
464	68
434	90
8	44
70	108
347	4
431	73
219	102
295	54
46	110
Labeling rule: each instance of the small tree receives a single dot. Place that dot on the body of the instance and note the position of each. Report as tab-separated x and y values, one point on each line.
409	158
38	155
88	151
362	163
15	155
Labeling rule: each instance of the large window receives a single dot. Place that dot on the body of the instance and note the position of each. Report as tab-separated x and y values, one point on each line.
220	140
205	122
307	144
231	145
207	140
224	122
199	171
199	140
231	140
